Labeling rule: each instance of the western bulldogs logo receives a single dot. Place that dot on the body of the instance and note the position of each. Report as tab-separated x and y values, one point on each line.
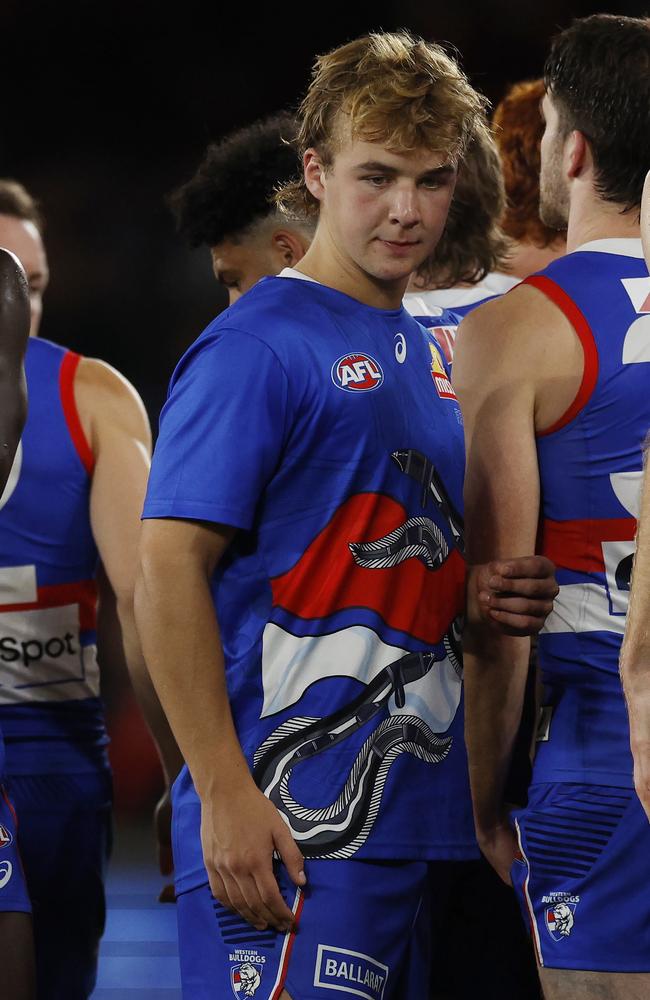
246	979
560	916
5	836
357	373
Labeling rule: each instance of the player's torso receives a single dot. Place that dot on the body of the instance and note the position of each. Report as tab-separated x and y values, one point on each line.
590	478
49	683
344	691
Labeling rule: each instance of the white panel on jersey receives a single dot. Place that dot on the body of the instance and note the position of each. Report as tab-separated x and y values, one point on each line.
18	585
42	659
290	664
639	291
627	487
614	553
14	476
636	346
583	607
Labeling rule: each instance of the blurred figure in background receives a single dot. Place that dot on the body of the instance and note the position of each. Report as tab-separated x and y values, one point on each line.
518	131
228	205
69	526
494	216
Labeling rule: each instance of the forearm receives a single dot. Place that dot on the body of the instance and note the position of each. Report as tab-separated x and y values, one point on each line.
145	693
182	648
495	681
635	652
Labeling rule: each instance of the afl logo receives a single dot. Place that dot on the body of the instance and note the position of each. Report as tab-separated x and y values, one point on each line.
5	836
357	373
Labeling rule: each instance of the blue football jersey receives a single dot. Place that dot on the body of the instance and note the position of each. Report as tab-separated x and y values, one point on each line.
591	467
50	710
329	433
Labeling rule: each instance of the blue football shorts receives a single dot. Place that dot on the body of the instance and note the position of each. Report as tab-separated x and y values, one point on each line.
362	931
13	890
583	882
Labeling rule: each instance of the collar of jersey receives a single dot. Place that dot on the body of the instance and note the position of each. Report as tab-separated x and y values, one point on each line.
622	247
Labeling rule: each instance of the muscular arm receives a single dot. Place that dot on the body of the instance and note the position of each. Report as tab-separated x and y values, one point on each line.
240	828
498	369
14	331
635	653
118	431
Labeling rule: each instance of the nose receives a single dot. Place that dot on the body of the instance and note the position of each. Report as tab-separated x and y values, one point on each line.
404	209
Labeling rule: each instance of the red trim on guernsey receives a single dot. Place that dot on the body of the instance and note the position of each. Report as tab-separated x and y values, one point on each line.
578	545
284	967
67	373
10	804
585	335
57	595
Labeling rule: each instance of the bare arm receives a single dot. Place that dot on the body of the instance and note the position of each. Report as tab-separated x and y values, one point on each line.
635	653
240	827
496	370
117	428
645	219
14	332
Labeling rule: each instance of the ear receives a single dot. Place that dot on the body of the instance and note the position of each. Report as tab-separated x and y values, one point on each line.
314	174
290	245
578	154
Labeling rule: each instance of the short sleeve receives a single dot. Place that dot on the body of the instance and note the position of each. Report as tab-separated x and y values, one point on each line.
222	431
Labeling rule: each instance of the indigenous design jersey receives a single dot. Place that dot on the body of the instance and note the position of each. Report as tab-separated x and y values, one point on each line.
329	433
50	713
590	466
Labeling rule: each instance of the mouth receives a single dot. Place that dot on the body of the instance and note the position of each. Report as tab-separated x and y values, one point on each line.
400	247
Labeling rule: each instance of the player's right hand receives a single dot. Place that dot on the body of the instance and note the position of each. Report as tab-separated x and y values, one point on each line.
240	830
499	846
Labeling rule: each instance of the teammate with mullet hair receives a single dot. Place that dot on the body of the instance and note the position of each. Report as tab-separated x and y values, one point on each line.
302	575
553	383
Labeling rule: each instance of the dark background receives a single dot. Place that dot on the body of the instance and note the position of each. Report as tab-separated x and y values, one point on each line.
107	107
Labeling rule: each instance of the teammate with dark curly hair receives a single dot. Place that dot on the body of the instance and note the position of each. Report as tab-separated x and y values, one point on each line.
228	205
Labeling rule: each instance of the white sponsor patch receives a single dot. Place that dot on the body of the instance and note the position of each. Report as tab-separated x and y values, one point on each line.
350	972
40	649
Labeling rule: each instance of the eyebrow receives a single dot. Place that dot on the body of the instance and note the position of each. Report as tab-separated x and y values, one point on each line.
375	165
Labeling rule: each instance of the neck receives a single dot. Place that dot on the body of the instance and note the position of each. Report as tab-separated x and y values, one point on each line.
591	218
525	258
325	263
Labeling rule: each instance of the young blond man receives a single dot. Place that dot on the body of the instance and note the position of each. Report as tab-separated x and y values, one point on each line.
302	575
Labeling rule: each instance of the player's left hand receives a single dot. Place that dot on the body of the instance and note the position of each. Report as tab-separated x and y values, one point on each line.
516	594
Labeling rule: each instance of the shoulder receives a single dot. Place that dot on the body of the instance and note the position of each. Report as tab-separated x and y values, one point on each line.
106	400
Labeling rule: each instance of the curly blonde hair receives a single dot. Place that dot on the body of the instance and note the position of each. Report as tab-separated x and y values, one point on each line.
391	88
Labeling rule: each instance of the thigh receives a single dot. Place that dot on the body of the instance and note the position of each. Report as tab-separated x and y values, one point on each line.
582	881
355	924
17	956
64	835
560	984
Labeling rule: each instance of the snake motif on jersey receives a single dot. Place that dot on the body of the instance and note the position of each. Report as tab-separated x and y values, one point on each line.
339	829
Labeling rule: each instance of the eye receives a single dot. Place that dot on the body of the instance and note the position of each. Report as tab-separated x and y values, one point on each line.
376	180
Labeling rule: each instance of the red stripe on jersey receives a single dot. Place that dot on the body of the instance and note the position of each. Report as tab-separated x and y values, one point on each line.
60	594
67	373
577	545
585	335
409	597
284	962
